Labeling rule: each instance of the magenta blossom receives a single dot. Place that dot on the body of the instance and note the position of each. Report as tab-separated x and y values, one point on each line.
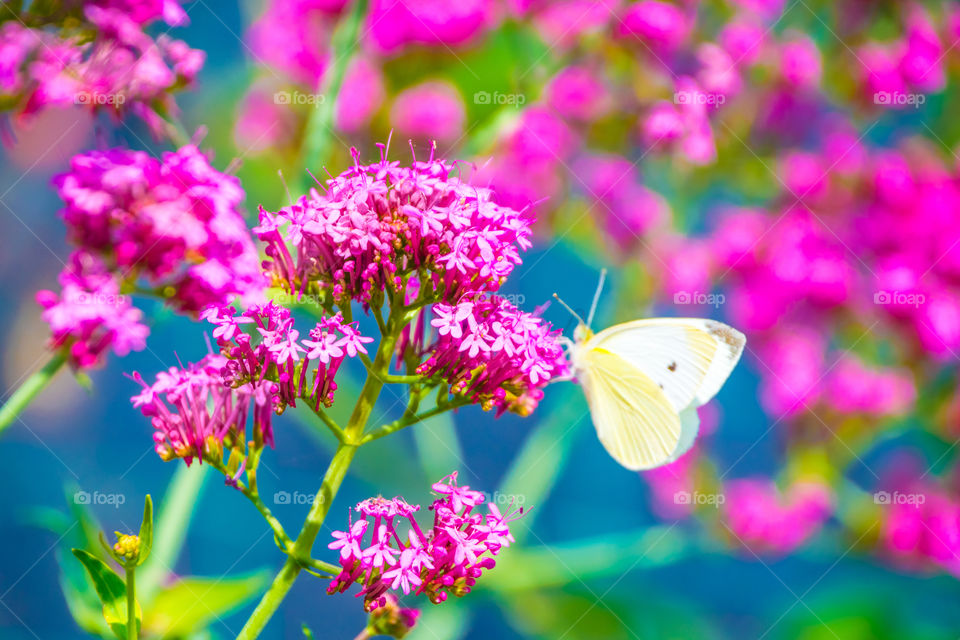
121	70
302	368
176	222
378	225
443	560
763	519
91	315
430	110
193	412
494	354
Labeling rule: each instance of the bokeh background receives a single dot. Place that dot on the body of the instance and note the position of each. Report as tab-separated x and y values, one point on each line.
781	195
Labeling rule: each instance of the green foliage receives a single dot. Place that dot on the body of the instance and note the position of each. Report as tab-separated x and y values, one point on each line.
193	603
111	590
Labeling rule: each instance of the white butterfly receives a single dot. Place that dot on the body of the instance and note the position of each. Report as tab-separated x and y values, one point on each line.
644	380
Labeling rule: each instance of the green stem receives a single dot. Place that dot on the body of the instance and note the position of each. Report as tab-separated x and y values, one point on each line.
299	556
320	124
402	423
301	548
131	603
33	385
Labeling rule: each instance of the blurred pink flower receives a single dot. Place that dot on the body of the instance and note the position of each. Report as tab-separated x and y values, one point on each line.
853	388
764	519
800	63
391	25
792	365
361	95
661	25
578	93
430	110
617	197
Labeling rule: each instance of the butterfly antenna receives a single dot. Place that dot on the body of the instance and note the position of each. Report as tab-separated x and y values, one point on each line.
568	308
596	296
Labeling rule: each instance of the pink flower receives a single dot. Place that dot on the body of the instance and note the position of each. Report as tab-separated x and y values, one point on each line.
378	225
430	110
445	559
800	63
494	354
393	25
854	388
763	519
304	371
192	410
578	93
361	94
659	24
90	315
176	222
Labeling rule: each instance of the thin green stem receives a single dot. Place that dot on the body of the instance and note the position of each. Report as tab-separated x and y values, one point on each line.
27	391
254	497
299	556
131	603
403	423
320	123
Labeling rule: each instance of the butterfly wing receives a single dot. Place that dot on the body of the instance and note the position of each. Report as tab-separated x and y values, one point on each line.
689	358
634	418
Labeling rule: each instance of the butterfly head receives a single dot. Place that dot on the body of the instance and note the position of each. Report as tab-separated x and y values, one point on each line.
582	333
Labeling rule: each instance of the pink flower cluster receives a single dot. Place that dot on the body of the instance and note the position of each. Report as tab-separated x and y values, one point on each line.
921	528
494	354
193	412
377	225
445	559
763	519
121	69
279	354
175	221
91	314
913	63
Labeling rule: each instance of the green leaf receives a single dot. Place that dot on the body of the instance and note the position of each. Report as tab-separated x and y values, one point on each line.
111	590
173	520
192	603
146	531
306	631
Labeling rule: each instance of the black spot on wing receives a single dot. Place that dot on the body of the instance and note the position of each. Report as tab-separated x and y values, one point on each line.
672	366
